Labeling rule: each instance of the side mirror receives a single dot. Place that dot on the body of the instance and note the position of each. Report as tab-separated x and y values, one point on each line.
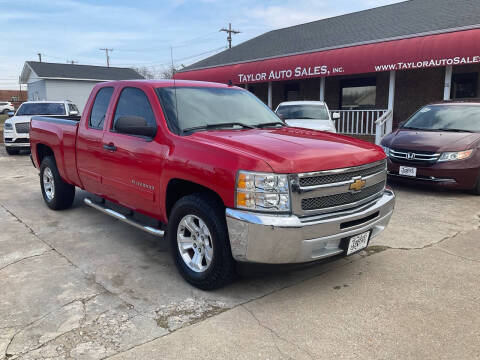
10	113
336	116
134	125
74	113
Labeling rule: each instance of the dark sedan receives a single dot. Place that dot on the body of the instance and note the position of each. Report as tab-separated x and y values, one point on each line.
440	145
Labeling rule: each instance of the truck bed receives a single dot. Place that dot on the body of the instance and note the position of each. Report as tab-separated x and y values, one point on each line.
58	133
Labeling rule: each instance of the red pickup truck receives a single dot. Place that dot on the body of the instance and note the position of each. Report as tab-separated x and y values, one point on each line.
217	172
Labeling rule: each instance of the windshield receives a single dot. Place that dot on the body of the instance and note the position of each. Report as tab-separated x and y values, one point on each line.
41	109
446	117
187	108
317	112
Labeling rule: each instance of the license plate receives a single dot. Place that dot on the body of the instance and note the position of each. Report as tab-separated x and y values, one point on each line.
407	171
358	242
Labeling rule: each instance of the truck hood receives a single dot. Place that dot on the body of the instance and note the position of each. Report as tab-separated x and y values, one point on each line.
434	141
295	150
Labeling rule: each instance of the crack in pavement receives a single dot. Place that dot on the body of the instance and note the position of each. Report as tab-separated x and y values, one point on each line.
456	255
87	276
277	335
81	300
25	258
427	245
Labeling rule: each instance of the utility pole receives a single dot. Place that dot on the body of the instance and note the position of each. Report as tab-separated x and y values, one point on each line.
39	57
106	55
229	31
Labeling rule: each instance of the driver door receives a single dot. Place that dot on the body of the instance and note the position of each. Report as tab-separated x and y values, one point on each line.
131	169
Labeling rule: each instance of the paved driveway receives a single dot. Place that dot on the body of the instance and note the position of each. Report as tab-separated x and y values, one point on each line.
78	284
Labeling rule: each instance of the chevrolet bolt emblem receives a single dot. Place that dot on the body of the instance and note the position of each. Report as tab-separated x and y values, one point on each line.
357	185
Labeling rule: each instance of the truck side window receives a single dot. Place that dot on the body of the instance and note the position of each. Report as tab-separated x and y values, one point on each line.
134	102
99	108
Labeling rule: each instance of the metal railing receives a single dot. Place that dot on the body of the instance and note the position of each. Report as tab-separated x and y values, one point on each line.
358	122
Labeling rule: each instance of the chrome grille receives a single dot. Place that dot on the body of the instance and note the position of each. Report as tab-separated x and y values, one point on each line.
346	176
414	156
334	190
341	199
22	128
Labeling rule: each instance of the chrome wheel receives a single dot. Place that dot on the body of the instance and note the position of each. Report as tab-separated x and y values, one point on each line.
48	184
195	243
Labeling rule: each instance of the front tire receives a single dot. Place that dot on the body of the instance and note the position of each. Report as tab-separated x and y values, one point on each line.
476	189
198	234
58	195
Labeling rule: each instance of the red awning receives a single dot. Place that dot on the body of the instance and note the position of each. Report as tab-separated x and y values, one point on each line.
455	48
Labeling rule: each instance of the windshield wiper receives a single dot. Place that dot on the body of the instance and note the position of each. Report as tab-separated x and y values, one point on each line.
217	126
270	124
414	128
455	130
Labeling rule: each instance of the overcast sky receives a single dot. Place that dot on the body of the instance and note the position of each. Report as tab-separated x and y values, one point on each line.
141	32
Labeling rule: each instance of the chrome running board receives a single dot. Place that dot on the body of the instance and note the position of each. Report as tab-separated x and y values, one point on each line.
126	219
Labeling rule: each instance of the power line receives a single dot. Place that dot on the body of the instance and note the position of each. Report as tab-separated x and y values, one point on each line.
167	62
229	31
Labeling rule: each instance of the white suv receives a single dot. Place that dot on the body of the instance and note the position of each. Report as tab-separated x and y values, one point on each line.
6	107
312	115
16	130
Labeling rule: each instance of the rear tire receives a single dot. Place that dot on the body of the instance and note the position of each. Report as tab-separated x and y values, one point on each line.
11	151
203	255
58	195
6	111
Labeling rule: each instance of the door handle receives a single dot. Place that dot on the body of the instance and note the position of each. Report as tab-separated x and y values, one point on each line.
110	147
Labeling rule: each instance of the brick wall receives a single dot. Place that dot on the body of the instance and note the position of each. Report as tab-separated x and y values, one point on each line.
415	88
6	95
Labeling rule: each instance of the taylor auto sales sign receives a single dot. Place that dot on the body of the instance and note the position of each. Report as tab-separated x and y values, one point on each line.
286	74
301	72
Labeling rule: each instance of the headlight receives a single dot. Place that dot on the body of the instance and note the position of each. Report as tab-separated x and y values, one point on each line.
7	126
457	155
262	192
386	150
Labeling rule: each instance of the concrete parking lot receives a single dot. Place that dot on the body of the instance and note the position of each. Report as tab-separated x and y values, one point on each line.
78	284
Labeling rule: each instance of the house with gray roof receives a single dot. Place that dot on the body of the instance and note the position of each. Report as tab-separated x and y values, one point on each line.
54	81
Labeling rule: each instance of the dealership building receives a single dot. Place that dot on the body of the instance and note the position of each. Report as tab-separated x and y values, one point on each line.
376	67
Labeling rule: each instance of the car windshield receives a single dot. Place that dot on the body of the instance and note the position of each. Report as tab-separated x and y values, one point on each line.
41	109
200	108
446	117
303	111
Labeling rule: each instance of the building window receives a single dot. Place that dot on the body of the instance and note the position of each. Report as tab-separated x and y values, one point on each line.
357	94
14	99
464	86
292	92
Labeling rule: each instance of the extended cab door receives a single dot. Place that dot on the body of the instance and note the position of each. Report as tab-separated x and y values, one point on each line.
132	163
89	141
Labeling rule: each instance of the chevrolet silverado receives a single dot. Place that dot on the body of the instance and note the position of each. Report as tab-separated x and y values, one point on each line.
217	173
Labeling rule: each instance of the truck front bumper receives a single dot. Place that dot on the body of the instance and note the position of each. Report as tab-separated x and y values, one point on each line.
13	140
287	239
